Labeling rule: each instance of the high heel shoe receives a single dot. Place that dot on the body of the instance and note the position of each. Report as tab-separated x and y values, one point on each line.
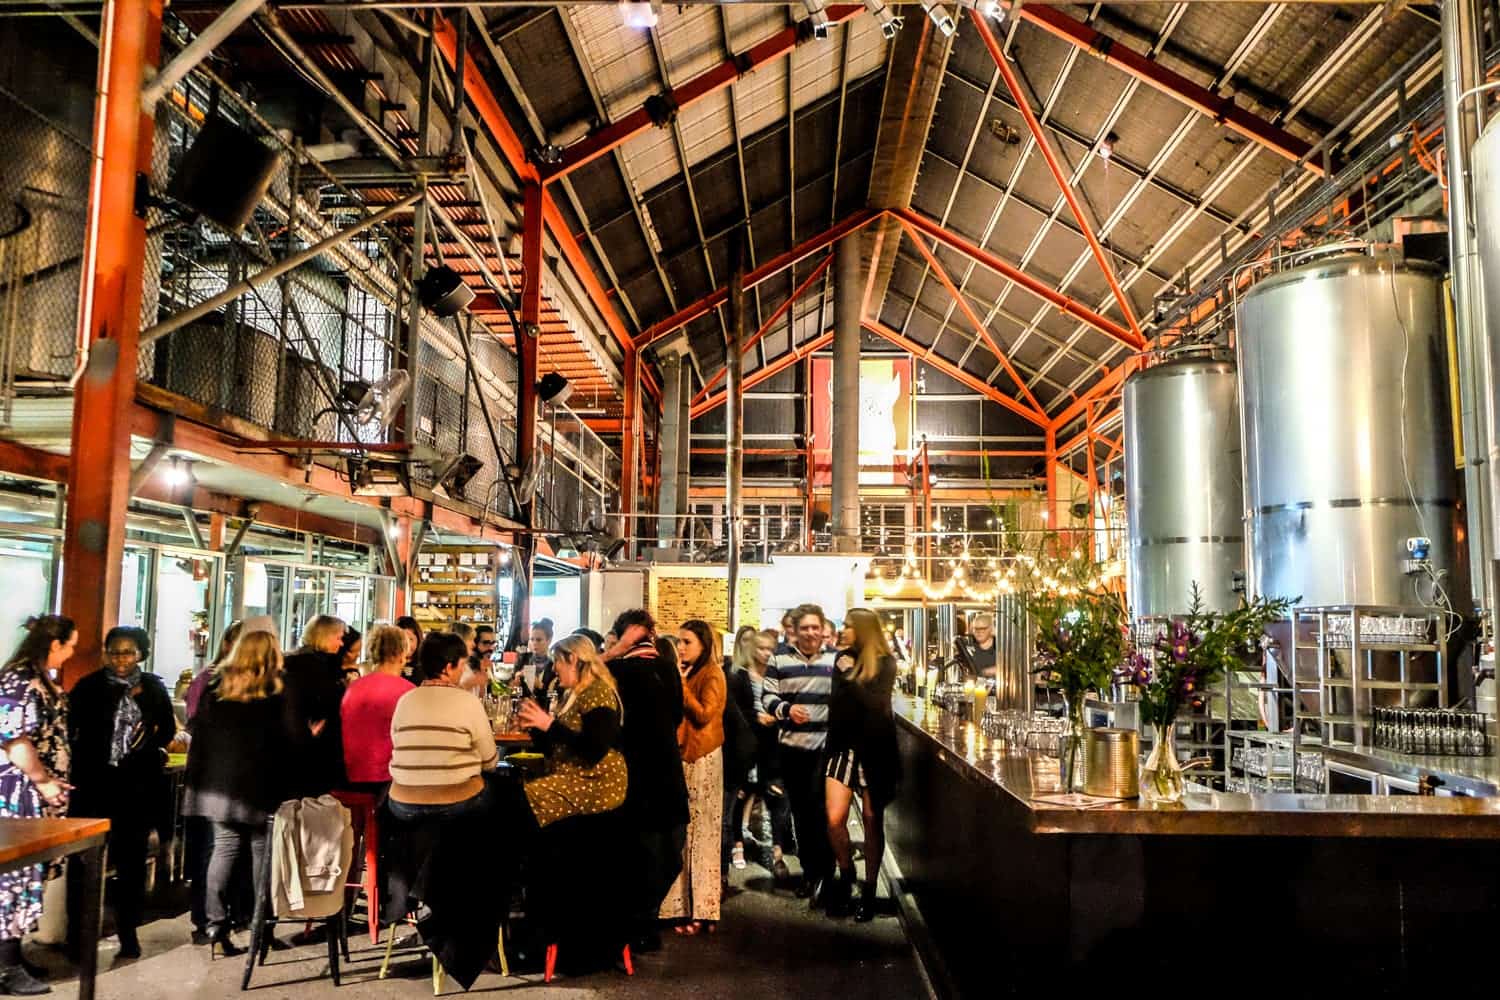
222	944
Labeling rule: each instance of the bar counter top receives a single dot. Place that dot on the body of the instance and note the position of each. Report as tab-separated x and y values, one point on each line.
1029	786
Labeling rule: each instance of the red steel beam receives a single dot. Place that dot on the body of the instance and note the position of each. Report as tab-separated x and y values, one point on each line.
760	375
774	266
1058	174
514	150
617	133
1062	303
765	327
1111	381
953	371
34	463
109	322
1152	73
968	311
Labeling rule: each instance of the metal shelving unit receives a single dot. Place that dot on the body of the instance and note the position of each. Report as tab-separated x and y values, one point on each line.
1350	677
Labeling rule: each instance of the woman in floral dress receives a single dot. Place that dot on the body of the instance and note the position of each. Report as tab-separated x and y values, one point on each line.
34	736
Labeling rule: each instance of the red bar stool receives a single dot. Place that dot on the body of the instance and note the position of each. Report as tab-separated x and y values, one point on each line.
552	961
361	806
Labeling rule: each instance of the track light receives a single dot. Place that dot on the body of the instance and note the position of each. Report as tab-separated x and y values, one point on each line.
941	19
819	17
889	23
992	9
1107	145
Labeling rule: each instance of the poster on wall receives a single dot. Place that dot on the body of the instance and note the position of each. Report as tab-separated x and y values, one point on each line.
884	420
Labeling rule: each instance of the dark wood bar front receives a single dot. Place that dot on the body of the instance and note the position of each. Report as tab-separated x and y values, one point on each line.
1018	891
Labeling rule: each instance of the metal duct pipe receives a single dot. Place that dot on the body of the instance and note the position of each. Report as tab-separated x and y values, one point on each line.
1461	72
734	451
674	428
845	444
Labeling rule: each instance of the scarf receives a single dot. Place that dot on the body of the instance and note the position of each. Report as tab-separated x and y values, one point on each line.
127	716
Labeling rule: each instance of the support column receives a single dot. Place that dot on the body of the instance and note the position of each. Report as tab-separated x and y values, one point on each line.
109	315
846	333
526	410
1050	515
1461	72
671	448
630	445
734	414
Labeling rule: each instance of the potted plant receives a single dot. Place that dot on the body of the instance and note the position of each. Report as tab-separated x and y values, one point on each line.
1185	661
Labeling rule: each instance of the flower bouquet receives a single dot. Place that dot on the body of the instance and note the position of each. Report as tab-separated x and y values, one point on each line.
1185	661
1082	638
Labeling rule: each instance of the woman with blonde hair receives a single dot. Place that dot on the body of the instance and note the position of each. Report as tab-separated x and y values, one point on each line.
862	756
585	770
314	689
239	766
696	893
753	650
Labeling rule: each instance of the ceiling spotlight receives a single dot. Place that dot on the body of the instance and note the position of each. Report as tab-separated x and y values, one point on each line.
640	15
1107	146
178	473
940	16
889	23
547	154
819	17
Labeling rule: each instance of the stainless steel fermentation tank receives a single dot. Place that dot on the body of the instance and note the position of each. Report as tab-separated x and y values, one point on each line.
1184	499
1347	432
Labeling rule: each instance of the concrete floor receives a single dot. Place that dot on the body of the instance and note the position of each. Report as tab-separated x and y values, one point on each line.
769	945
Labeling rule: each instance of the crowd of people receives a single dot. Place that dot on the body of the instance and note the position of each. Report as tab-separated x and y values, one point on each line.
678	745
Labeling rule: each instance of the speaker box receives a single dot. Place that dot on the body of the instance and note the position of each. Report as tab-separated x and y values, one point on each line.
224	174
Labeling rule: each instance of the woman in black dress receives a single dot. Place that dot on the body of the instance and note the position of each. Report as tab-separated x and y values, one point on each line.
119	724
862	756
314	677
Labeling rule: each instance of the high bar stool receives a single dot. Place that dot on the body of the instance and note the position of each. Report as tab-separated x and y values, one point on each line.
361	806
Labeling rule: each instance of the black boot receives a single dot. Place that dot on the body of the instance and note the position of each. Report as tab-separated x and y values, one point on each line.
866	909
15	981
836	895
222	944
130	946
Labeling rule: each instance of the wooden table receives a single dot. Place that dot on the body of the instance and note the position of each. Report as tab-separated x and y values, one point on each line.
26	842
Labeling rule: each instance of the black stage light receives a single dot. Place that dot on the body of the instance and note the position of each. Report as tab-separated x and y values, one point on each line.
554	389
443	292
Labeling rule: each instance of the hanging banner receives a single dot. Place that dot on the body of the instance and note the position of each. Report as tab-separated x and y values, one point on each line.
884	420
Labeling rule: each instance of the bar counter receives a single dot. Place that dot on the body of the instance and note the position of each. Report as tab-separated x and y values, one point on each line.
1011	889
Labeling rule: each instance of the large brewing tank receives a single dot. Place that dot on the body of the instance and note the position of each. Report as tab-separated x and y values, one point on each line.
1183	484
1348	432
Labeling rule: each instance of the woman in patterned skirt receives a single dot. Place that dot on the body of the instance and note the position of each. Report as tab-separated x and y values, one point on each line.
698	890
34	735
585	771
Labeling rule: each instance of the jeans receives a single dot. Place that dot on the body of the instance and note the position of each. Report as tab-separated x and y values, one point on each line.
231	842
802	774
408	812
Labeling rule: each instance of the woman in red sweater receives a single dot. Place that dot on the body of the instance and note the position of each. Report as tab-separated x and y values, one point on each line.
367	709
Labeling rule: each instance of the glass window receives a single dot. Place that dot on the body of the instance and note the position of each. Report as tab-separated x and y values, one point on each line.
135	587
266	587
310	598
26	580
349	600
185	590
382	599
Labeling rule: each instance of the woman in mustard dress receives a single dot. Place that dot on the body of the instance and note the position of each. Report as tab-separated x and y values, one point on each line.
585	770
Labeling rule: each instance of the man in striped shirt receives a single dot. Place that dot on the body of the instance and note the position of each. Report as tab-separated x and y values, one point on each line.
797	687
